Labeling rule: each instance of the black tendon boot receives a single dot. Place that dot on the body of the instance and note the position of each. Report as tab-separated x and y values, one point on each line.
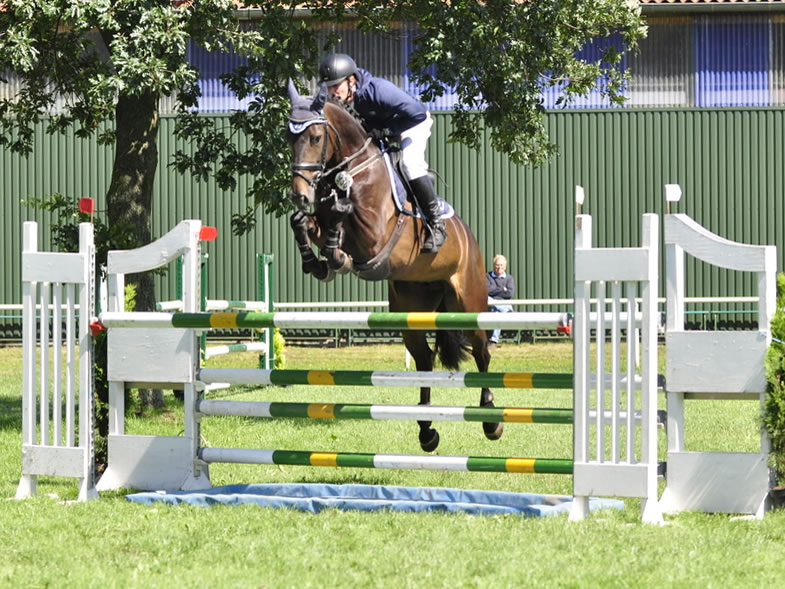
429	205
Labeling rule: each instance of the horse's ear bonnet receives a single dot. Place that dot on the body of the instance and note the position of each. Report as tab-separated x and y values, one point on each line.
302	114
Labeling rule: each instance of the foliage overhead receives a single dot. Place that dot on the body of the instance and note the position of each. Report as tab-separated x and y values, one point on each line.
84	53
497	56
501	55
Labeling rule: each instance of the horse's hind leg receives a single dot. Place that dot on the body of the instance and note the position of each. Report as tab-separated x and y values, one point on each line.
472	302
418	347
482	357
413	296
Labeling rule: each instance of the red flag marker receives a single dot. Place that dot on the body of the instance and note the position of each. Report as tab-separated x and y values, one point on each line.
86	206
208	234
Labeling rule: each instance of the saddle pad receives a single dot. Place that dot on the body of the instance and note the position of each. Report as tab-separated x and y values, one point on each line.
399	194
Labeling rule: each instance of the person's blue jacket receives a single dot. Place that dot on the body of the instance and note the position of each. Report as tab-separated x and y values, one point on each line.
383	105
500	287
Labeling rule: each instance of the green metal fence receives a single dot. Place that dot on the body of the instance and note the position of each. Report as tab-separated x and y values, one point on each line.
728	161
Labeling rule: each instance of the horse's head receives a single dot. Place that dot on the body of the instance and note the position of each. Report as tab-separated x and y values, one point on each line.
326	139
314	144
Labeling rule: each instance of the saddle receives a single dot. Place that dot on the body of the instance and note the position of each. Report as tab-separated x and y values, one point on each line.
402	192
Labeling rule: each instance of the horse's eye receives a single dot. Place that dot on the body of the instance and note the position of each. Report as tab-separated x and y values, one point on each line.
315	139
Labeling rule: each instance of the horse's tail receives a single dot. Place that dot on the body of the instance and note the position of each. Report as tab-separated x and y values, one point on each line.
452	348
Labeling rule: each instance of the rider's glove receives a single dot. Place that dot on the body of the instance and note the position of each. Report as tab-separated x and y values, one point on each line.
380	134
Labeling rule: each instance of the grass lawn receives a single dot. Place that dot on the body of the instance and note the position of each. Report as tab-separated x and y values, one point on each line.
114	543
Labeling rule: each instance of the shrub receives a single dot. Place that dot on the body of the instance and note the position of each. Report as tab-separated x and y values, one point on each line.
279	350
774	408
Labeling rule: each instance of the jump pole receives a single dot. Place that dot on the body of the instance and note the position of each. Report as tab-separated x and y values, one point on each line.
383	378
383	412
163	348
328	319
272	409
389	461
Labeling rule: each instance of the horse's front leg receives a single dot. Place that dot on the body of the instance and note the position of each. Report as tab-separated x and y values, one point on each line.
304	225
337	259
482	357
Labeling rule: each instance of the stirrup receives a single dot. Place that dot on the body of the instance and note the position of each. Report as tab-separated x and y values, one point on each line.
437	235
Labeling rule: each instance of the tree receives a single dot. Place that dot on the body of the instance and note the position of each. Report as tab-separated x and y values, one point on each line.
107	63
498	55
110	61
502	55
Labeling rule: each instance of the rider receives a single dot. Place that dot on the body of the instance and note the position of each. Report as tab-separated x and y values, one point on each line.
387	109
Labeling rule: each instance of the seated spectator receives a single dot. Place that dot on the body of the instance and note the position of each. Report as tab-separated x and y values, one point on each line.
501	287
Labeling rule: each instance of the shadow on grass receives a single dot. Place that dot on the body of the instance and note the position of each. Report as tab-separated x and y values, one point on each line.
350	479
10	414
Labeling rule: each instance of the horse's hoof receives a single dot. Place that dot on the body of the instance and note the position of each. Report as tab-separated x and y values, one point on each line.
493	431
429	440
347	264
337	263
323	272
330	276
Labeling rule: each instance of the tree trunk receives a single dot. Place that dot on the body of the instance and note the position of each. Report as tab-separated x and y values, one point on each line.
129	199
130	194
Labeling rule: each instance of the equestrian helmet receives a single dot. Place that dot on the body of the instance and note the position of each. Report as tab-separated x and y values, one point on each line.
335	68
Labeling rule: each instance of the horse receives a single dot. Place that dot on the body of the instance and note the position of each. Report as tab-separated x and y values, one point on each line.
339	173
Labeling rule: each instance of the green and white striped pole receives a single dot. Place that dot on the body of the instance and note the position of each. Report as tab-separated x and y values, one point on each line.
383	412
387	461
213	351
336	320
381	378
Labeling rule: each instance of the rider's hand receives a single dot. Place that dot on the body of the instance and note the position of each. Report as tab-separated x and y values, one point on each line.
380	134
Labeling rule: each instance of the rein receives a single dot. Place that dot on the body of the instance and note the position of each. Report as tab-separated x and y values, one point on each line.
349	159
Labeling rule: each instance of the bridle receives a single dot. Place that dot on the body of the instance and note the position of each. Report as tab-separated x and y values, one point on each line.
319	169
298	128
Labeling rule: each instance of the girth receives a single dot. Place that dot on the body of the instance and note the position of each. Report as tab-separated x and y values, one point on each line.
378	267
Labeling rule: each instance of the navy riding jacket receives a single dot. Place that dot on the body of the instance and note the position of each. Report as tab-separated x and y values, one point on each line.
383	105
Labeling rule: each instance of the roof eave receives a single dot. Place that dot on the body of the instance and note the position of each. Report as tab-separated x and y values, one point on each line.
704	7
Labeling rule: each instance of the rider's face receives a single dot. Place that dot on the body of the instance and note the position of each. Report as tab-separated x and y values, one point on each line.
343	91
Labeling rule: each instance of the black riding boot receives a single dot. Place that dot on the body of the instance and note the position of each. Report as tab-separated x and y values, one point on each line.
429	205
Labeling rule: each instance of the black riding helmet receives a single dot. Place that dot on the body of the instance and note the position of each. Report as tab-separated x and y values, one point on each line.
335	68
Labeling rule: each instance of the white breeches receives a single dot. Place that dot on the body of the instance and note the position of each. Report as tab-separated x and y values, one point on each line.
415	140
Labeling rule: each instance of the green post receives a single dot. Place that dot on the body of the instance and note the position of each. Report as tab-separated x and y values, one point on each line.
265	288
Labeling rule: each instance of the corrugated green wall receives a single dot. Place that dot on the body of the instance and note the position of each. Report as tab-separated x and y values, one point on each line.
729	162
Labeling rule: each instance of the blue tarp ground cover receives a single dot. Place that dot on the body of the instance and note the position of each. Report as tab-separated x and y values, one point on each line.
315	497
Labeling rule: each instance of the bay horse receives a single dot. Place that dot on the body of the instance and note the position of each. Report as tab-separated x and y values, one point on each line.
339	173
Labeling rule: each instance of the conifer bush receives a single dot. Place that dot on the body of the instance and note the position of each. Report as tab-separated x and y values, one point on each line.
774	408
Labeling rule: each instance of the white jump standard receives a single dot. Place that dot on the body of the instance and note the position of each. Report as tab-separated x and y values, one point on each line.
614	412
178	462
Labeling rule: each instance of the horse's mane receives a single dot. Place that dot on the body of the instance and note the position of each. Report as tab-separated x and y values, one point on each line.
348	107
349	110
